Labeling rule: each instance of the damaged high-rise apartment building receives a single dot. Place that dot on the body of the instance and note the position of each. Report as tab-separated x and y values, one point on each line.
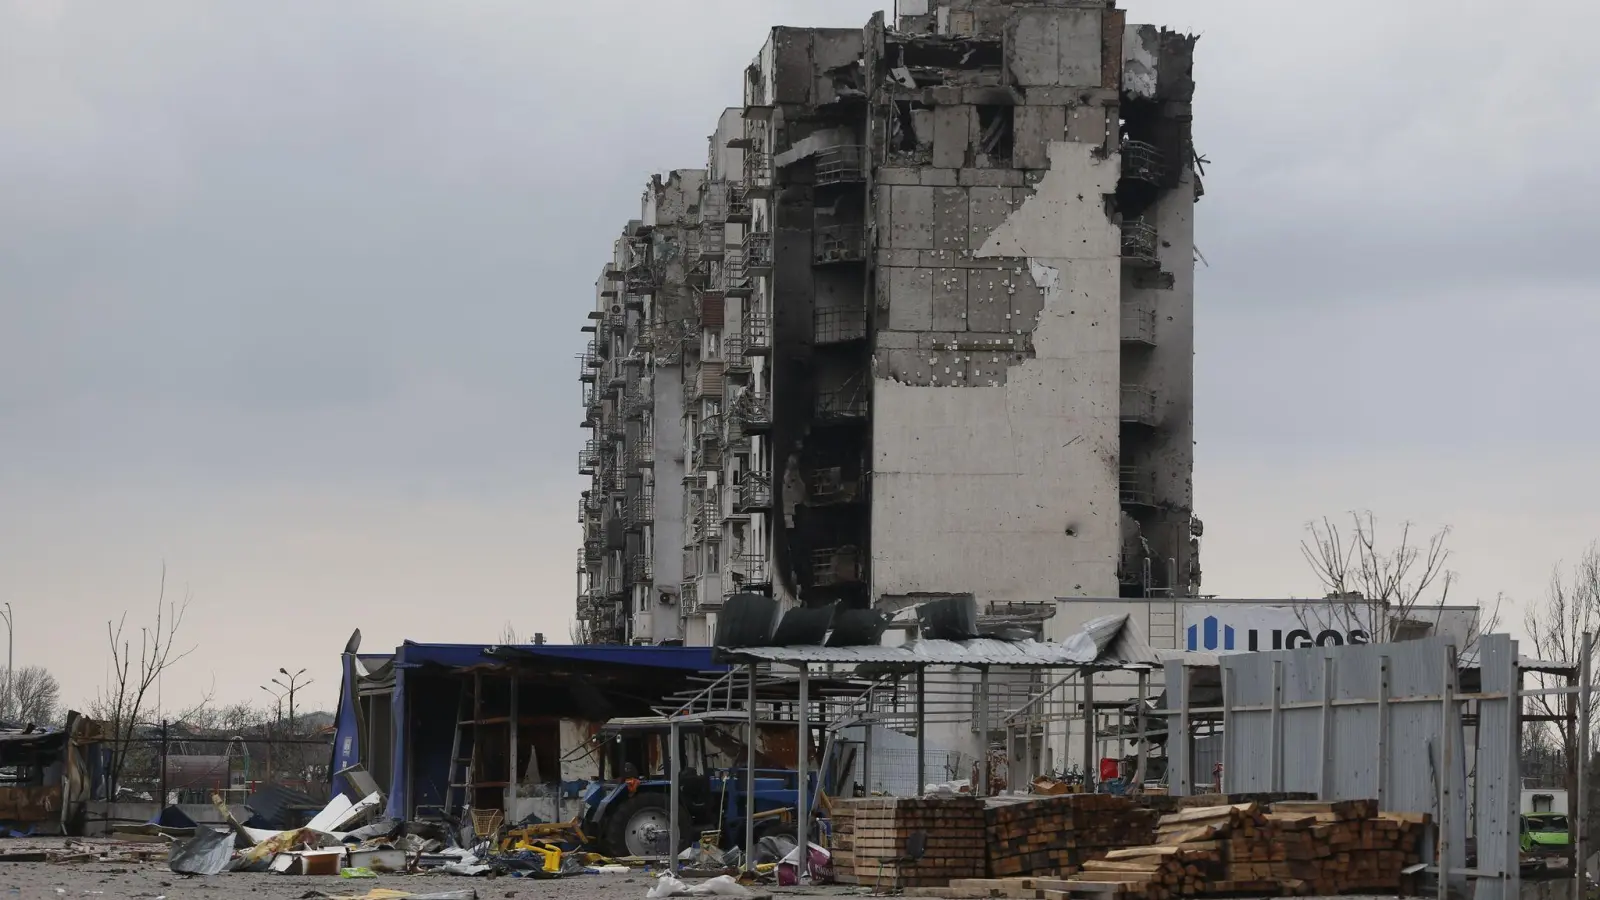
922	325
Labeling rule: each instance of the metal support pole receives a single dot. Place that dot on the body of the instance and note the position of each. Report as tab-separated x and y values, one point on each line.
1383	732
164	733
1580	835
922	729
1325	739
750	776
1091	766
1139	774
675	755
866	745
512	775
1228	690
1446	760
803	813
982	788
1275	762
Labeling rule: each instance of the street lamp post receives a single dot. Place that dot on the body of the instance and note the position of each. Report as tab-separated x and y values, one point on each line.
291	687
5	702
272	731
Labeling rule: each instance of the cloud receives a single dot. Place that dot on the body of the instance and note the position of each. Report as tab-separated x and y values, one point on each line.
289	294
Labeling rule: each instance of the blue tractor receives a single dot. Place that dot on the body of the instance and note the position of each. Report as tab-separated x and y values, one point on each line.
627	808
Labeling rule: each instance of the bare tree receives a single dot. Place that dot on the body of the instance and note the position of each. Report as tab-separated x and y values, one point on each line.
1397	588
35	696
127	697
508	635
1556	626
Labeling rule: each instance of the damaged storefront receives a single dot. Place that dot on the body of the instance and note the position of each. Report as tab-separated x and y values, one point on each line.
47	776
446	728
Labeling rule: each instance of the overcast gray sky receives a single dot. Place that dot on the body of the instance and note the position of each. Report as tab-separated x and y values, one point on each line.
289	294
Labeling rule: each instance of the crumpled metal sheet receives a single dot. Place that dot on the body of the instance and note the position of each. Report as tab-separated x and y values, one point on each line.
207	853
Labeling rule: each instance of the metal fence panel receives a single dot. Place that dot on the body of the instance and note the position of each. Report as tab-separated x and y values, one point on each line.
1369	721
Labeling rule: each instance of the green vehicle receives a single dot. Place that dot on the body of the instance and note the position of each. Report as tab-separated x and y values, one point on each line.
1545	832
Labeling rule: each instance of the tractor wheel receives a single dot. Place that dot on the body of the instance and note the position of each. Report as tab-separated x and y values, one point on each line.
642	827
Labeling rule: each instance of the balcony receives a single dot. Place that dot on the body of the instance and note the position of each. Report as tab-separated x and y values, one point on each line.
689	597
589	458
736	276
634	403
707	456
1139	326
758	181
642	454
1139	405
738	207
712	247
709	306
747	571
733	356
705	524
1142	162
754	494
641	569
840	324
757	327
1135	488
845	404
588	362
841	165
751	411
708	379
583	565
829	487
713	208
839	244
634	301
1140	244
835	565
758	253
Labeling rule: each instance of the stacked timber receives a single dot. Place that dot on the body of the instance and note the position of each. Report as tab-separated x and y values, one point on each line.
1057	835
881	830
841	840
1336	847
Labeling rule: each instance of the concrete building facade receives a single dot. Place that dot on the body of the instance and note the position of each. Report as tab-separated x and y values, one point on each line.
922	325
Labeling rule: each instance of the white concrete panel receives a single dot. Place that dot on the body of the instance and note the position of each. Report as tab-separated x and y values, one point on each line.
911	217
910	299
1078	38
1010	492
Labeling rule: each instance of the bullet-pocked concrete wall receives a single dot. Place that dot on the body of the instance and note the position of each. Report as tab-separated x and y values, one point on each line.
995	410
1009	489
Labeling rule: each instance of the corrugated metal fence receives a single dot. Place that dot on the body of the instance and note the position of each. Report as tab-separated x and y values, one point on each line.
1377	721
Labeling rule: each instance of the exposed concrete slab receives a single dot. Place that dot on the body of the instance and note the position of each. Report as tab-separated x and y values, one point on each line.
911	217
950	300
1035	128
951	215
910	299
987	209
952	136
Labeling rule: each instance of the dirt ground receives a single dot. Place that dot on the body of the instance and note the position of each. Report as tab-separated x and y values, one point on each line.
150	880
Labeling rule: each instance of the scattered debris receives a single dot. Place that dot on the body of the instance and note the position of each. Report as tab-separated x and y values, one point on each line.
207	853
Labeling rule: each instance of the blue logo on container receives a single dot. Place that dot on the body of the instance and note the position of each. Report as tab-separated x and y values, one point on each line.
1205	635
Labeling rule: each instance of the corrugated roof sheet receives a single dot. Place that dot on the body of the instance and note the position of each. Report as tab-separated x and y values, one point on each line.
1107	642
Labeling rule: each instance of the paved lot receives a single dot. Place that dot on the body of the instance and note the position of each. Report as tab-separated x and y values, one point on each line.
148	880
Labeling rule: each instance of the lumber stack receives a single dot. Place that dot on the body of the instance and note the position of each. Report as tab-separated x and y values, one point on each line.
841	840
1337	847
1057	835
881	829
